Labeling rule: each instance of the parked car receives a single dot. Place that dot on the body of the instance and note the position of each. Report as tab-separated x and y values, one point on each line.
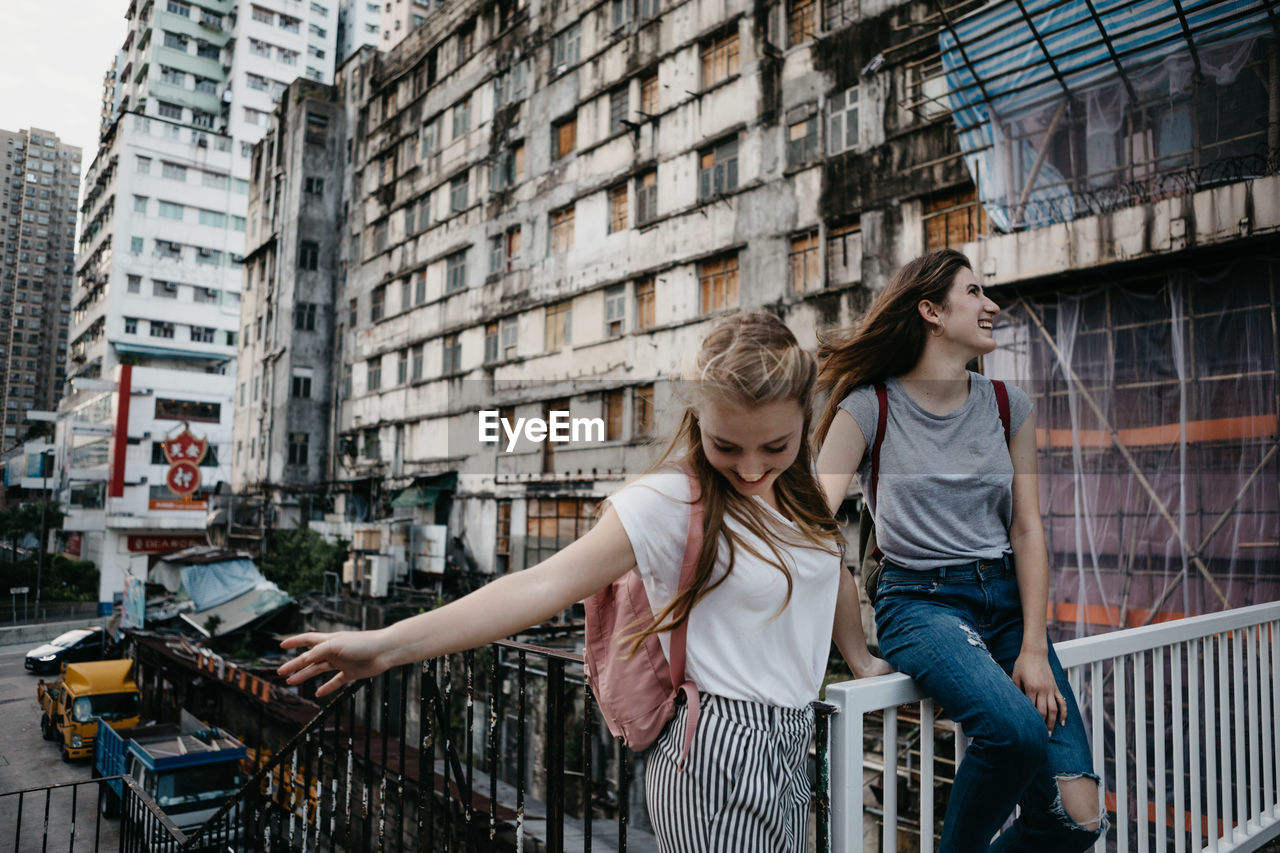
82	644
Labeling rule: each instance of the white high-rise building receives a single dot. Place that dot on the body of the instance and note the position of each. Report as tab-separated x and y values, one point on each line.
401	17
156	308
359	23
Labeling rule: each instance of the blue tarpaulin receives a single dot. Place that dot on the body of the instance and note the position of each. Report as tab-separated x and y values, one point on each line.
1010	65
211	584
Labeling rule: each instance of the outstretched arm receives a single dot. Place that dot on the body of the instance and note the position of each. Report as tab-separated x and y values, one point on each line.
837	462
498	609
1031	671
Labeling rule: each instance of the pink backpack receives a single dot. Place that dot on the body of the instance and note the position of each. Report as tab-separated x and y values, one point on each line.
636	693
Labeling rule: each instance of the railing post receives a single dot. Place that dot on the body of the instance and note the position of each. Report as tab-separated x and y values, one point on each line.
846	769
554	762
821	730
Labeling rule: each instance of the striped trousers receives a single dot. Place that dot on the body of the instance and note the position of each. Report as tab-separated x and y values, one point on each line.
745	786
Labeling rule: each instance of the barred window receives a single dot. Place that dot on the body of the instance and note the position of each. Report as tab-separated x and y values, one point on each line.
718	283
719	59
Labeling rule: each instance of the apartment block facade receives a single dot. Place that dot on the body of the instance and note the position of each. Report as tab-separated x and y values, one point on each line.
37	265
549	205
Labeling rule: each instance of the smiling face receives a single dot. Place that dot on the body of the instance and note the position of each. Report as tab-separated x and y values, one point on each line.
969	316
751	446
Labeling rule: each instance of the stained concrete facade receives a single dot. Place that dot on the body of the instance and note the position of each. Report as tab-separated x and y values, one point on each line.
547	205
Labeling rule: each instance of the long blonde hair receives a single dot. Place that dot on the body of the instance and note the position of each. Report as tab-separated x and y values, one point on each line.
750	359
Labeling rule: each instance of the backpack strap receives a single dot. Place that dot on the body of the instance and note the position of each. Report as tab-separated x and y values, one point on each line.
676	648
1002	402
882	420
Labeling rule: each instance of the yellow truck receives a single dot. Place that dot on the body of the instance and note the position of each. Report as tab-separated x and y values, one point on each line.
72	705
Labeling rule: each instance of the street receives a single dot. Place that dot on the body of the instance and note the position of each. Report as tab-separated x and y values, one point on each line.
29	761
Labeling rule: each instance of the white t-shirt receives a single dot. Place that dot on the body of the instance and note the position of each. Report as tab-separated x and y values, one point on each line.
742	643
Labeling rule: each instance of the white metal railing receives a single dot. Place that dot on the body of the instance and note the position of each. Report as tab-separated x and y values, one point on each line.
1199	703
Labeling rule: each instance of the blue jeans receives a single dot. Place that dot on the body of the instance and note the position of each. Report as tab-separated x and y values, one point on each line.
958	631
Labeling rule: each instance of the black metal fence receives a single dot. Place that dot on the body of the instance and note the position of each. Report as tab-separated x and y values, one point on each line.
487	750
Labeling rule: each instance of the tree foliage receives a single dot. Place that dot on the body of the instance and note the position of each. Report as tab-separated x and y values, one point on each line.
298	557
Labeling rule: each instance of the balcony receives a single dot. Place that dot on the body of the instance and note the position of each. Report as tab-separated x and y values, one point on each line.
1184	719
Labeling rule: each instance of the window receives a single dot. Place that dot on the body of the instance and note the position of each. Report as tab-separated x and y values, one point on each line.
455	276
172	76
213	217
647	197
140	204
461	118
263	15
419	287
802	262
466	41
649	95
381	233
719	59
619	107
373	373
174	171
206	295
952	218
509	328
378	304
452	359
839	13
313	186
564	137
304	316
165	109
161	330
430	130
620	16
718	169
164	289
352	306
613	403
406	294
554	523
497	245
490	342
144	165
802	140
842	120
642	411
177	8
508	167
419	353
801	21
561	229
459	189
202	334
372	448
308	255
177	41
615	311
566	49
618	208
402	367
513	245
135	284
644	303
423	219
298	443
844	254
131	325
169	210
649	9
559	326
718	283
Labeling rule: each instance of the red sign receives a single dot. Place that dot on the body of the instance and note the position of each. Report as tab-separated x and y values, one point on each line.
183	478
162	544
184	452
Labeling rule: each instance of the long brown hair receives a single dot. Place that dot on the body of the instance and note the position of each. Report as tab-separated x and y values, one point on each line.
890	339
750	359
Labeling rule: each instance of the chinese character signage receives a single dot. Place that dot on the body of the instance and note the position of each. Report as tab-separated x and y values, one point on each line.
184	452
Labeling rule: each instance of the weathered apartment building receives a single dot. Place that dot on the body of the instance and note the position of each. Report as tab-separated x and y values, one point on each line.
545	207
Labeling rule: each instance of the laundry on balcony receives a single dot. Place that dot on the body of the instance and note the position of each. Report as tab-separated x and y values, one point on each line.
1065	108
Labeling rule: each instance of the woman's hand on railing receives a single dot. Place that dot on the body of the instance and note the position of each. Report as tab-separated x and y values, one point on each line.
354	654
870	667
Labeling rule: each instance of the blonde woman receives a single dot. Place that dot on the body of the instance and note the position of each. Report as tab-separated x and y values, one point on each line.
760	608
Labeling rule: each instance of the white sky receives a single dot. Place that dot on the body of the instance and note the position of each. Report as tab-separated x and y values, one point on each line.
51	68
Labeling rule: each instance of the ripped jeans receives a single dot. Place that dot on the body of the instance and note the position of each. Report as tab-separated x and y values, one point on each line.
958	631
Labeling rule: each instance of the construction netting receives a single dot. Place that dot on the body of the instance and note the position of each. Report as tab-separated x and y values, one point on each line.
1156	411
1066	108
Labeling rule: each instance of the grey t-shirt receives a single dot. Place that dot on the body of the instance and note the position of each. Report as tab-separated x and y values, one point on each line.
946	481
